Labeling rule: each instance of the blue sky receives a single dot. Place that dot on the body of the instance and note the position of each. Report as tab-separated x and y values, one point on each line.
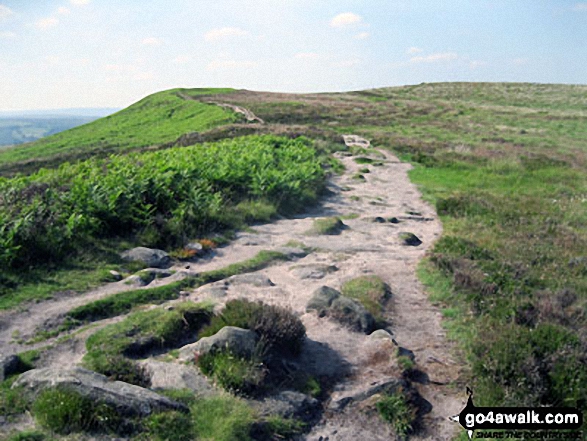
108	53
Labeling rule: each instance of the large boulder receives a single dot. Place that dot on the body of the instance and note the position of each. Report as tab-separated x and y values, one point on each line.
239	341
178	376
153	258
127	399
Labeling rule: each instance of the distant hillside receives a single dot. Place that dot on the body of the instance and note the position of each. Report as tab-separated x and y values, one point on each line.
157	119
18	130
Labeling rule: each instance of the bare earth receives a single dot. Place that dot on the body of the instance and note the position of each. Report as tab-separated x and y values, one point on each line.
365	247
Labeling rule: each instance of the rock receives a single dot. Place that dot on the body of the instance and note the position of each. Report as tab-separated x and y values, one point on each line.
151	257
9	365
178	376
116	275
236	340
317	271
127	399
378	220
410	239
135	280
352	313
322	299
195	246
292	253
381	334
147	276
388	387
394	220
258	280
289	404
404	352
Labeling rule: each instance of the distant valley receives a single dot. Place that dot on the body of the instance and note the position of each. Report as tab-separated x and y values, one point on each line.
27	126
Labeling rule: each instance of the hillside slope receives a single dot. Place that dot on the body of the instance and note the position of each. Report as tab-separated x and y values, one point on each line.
157	119
504	165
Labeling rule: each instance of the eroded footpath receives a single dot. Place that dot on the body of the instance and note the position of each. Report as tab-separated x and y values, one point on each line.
369	244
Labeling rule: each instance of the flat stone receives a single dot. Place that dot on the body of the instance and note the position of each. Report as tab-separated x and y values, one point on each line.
239	341
258	280
317	271
127	399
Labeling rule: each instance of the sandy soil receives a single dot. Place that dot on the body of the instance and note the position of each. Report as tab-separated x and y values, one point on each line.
365	247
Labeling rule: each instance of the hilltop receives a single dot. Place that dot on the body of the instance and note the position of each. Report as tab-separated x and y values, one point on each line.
231	182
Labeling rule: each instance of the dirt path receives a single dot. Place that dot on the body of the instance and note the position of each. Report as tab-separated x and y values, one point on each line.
365	247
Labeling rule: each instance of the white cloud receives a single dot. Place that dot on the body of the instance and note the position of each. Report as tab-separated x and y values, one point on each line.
307	56
63	10
7	35
5	12
446	56
52	59
362	36
345	19
152	41
581	7
220	64
182	59
414	50
352	62
79	2
221	33
476	63
120	67
46	23
143	76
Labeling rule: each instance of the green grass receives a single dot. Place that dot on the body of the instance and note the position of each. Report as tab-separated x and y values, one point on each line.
143	332
370	291
395	410
30	435
157	119
222	418
233	373
65	411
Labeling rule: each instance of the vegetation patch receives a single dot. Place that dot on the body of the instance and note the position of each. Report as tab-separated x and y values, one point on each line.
328	225
159	199
223	418
142	333
233	373
397	411
371	291
65	411
277	328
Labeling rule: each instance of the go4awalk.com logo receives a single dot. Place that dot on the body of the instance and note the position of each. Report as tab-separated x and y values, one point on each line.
520	422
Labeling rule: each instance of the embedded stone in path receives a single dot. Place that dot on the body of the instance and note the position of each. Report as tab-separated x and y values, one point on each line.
315	271
153	258
410	239
236	340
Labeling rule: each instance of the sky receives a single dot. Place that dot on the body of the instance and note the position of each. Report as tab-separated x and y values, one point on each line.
108	53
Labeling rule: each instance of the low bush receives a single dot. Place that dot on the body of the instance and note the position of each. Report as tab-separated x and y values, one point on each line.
65	411
119	368
277	328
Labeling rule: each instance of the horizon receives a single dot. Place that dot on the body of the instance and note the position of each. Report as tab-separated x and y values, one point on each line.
287	46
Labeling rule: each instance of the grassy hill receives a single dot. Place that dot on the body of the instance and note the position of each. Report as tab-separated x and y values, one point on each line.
505	166
157	119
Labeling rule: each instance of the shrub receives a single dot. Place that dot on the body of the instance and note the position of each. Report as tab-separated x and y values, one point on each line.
278	329
65	411
395	410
